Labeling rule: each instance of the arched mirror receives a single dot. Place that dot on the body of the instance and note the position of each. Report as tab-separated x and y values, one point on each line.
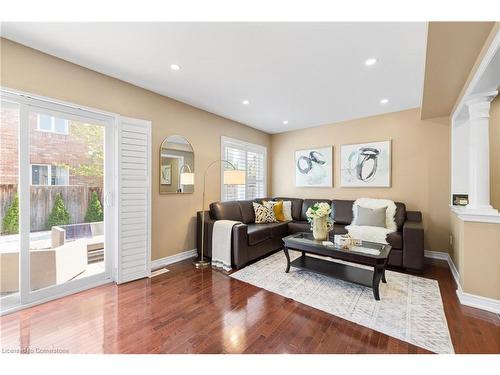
176	166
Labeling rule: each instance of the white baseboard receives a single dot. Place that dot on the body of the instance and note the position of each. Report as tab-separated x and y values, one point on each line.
162	262
479	302
472	300
436	254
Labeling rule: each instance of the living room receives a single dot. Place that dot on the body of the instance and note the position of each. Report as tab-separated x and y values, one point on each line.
250	187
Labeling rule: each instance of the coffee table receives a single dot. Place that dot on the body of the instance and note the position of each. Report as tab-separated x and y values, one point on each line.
367	253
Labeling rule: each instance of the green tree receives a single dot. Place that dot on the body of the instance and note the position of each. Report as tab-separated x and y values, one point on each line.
92	136
10	223
94	210
59	214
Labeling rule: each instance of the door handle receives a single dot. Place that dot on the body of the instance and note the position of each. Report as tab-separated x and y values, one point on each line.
109	199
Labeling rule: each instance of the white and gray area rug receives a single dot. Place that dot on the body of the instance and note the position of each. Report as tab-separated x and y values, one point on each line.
410	307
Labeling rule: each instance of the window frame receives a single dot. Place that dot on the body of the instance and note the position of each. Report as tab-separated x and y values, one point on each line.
247	147
52	125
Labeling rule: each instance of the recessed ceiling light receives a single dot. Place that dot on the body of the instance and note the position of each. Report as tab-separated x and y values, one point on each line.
371	61
245	102
175	67
285	122
384	101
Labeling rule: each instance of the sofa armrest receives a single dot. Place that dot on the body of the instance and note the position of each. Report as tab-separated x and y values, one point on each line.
240	245
209	227
239	255
413	245
414	216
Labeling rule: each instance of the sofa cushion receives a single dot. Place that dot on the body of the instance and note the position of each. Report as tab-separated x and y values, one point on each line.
298	226
296	206
247	212
258	233
342	211
395	239
400	215
279	230
225	211
395	258
306	203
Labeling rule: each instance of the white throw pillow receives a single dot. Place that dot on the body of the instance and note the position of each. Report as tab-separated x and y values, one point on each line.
287	210
372	203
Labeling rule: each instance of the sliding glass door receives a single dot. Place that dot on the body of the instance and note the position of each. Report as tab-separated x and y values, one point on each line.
56	200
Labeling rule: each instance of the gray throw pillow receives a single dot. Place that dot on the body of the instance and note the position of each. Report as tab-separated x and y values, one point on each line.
371	217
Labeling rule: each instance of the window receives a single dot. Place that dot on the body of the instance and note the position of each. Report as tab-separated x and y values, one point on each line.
52	124
49	175
249	157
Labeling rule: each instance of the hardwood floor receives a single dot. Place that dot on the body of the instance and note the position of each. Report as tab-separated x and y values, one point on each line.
203	311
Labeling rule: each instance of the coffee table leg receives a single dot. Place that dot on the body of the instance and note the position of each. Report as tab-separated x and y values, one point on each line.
378	272
285	249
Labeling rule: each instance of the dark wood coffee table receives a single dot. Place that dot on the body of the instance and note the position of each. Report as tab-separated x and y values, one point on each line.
308	245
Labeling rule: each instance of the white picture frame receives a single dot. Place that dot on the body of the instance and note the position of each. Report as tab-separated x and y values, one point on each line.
314	167
166	174
366	164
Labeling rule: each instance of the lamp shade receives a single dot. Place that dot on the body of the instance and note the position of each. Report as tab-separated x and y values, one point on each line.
187	178
234	177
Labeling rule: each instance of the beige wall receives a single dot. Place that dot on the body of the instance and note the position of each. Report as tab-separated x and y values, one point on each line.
457	242
476	256
495	153
420	165
447	44
173	216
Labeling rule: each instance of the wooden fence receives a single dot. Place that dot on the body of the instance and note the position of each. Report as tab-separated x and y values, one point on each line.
76	199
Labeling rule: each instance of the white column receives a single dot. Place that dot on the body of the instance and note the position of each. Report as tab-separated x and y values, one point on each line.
479	153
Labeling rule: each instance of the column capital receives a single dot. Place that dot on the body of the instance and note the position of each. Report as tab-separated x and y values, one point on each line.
479	104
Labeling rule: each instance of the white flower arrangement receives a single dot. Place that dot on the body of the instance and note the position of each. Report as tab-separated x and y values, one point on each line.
319	210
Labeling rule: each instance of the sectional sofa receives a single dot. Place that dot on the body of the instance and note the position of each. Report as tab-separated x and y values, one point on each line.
251	241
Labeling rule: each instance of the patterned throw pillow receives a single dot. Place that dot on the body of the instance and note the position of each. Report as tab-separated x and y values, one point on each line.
263	214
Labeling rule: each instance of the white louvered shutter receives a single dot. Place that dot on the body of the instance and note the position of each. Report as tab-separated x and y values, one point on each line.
134	199
251	158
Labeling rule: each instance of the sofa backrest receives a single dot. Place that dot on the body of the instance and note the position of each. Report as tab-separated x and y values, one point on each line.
342	211
306	203
225	211
247	212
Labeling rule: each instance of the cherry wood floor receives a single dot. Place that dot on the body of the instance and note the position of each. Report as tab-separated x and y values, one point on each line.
193	311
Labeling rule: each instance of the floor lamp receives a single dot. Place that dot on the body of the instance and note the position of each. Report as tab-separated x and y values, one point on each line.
231	177
185	178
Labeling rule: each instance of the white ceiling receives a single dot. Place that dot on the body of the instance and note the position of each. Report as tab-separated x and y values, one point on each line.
307	73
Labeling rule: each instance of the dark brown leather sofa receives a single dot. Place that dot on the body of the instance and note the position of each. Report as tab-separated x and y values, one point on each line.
251	241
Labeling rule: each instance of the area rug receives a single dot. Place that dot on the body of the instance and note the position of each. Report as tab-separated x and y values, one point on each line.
410	307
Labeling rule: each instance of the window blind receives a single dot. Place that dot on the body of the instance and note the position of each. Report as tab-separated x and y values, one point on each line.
251	158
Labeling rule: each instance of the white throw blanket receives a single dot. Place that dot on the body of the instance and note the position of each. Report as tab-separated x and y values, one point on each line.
221	244
373	234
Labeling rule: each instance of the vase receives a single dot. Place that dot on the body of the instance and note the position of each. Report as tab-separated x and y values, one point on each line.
320	228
